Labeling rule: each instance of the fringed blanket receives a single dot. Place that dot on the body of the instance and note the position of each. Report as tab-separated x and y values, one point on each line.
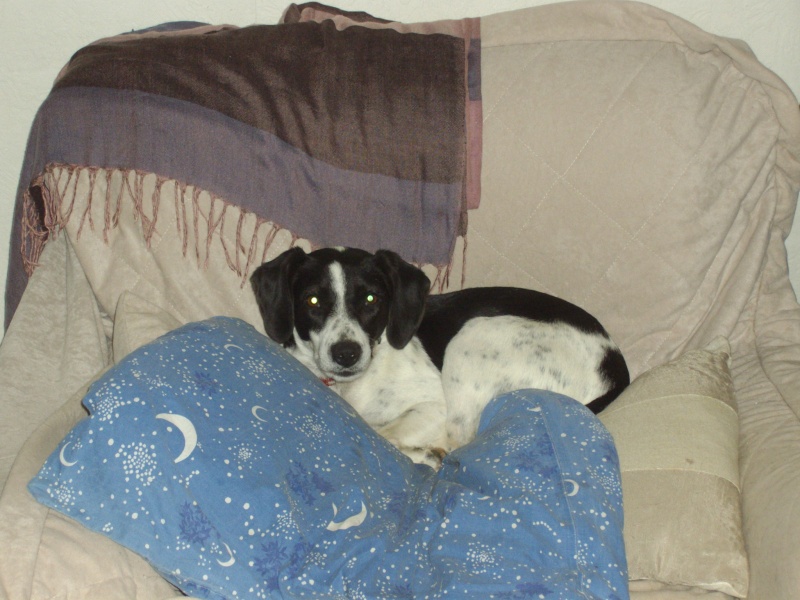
363	135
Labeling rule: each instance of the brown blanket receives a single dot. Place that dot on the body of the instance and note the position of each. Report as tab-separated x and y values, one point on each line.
320	129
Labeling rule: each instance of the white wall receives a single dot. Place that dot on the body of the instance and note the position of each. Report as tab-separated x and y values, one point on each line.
38	36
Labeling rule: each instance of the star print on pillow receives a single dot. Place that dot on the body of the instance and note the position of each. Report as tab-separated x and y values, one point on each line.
236	473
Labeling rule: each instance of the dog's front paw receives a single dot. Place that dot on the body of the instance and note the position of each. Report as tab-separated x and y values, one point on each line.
432	457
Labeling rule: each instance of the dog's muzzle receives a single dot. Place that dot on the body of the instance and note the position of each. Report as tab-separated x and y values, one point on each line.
346	353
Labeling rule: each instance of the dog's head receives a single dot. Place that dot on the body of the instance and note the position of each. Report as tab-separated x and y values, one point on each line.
336	304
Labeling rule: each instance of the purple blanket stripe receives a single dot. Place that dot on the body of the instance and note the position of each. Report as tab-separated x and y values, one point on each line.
248	167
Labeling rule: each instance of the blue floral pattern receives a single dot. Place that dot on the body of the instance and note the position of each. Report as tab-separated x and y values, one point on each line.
237	474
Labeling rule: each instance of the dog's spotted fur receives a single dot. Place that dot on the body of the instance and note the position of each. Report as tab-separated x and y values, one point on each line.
420	369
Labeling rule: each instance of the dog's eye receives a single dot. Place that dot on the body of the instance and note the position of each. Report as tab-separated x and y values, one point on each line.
312	301
371	299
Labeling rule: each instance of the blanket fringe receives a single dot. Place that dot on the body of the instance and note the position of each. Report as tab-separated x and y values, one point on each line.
50	203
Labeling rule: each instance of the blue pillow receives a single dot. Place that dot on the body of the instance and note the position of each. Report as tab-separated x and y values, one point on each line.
225	463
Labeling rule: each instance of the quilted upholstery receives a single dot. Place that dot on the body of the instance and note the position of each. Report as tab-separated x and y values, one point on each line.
609	163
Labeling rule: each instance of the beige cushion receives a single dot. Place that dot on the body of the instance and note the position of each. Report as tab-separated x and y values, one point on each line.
54	556
138	322
676	429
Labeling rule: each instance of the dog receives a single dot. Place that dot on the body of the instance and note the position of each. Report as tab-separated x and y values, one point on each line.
420	368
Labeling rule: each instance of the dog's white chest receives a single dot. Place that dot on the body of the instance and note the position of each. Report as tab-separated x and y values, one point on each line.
401	397
395	382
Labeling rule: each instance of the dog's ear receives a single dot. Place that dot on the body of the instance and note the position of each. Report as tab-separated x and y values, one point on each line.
410	287
272	285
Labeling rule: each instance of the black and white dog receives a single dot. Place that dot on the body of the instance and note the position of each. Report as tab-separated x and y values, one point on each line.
420	369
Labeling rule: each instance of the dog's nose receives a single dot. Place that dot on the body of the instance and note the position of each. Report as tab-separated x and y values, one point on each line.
346	353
